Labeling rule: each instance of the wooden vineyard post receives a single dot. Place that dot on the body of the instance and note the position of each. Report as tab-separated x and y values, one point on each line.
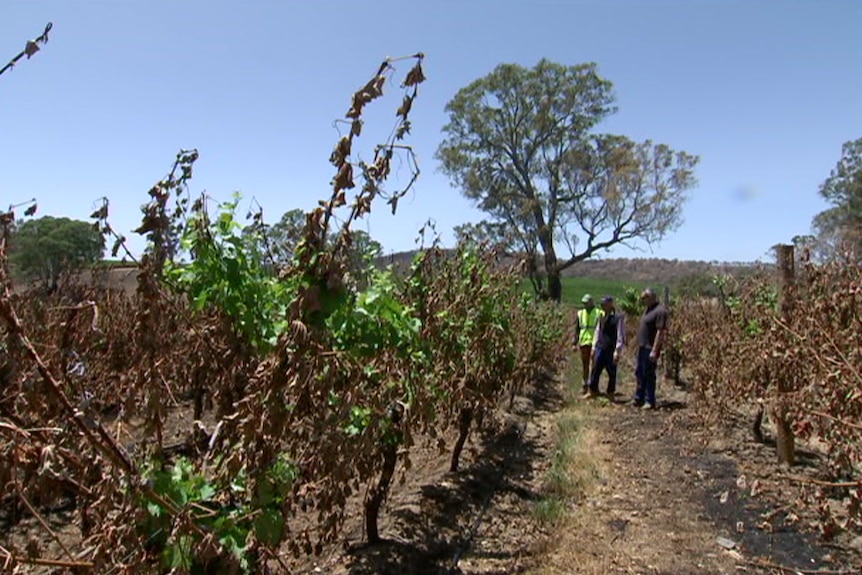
785	440
672	358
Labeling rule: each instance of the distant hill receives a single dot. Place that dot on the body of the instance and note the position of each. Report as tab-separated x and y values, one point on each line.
635	270
653	270
123	277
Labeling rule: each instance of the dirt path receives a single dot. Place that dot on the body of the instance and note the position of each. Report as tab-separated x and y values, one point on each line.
660	496
674	499
663	504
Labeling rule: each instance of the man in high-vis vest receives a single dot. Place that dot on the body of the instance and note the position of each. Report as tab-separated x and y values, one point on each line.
585	332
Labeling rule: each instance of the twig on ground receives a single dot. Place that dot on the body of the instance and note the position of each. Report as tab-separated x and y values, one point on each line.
274	556
857	483
42	522
838	420
52	562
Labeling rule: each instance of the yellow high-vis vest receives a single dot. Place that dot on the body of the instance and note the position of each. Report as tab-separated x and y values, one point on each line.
587	321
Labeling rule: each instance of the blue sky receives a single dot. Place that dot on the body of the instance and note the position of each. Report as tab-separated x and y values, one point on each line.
765	92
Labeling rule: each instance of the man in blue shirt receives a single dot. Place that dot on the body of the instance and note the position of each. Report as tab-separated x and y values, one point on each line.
610	341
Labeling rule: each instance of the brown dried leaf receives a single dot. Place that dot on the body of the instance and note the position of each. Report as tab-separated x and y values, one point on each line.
403	130
341	151
117	245
355	110
31	48
382	164
148	224
376	86
340	199
344	179
404	109
415	76
99	214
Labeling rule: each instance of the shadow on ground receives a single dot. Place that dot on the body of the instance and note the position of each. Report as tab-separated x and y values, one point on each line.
436	531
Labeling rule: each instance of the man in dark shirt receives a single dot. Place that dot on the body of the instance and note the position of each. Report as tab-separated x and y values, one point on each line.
650	339
609	343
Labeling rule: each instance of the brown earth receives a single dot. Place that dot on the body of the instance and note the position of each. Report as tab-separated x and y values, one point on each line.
675	499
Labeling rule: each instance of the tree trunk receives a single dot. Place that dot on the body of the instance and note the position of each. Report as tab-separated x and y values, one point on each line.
378	494
546	241
464	421
555	284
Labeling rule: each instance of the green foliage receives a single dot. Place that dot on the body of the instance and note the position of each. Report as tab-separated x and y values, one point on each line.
750	307
45	248
482	316
549	510
840	226
631	303
519	143
569	434
360	418
575	287
546	319
484	336
373	326
278	242
763	299
541	334
232	514
228	271
374	320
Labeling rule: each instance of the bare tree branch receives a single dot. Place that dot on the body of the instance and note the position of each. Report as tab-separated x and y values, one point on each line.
30	48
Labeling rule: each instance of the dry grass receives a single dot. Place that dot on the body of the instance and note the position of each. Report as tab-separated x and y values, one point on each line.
578	468
578	477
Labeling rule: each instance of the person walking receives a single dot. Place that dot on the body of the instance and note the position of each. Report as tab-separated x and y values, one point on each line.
651	335
585	332
608	345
